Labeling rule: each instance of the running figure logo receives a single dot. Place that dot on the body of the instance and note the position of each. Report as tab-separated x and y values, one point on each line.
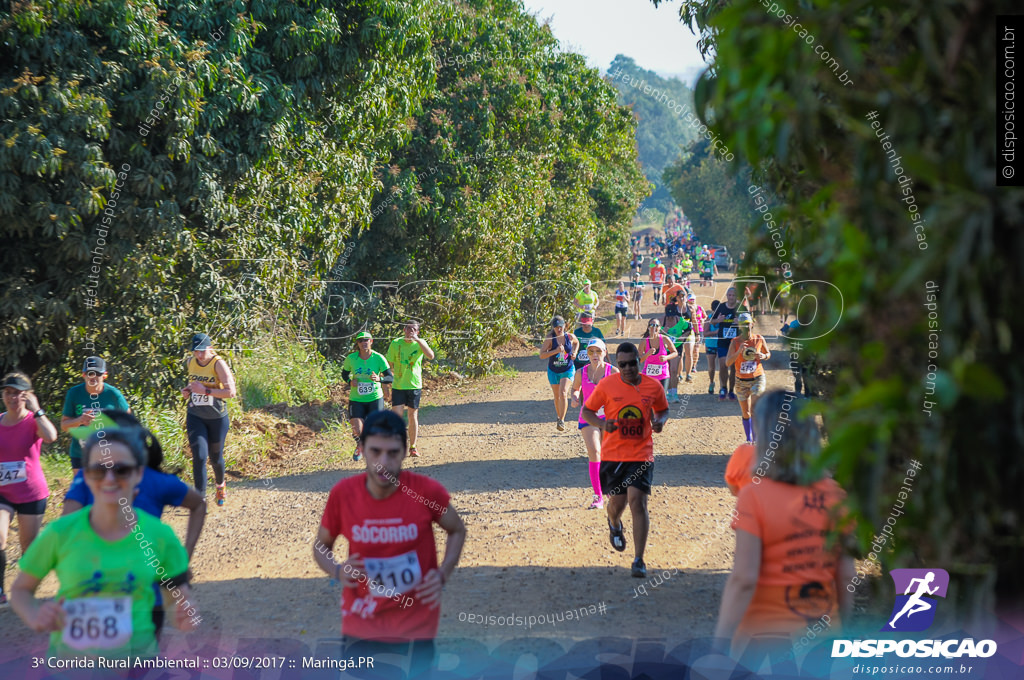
914	611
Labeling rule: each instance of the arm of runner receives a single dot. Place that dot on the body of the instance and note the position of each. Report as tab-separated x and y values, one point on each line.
227	379
41	616
44	428
739	589
385	377
577	385
429	590
195	502
734	351
672	353
348	572
427	352
659	420
546	353
766	354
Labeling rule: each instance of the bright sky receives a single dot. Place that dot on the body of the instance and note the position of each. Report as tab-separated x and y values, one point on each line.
601	29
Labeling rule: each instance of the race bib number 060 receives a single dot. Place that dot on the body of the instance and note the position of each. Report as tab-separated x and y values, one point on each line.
392	576
98	622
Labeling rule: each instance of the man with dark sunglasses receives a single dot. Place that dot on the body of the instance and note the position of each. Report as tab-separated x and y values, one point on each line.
84	402
635	407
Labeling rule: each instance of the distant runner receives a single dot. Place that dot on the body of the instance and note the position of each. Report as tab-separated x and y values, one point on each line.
725	317
621	308
405	355
635	407
206	418
83	402
637	295
657	351
584	333
560	350
586	300
583	385
746	353
391	599
24	427
657	278
364	370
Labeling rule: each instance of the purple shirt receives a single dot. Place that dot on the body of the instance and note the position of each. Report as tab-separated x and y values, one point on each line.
21	474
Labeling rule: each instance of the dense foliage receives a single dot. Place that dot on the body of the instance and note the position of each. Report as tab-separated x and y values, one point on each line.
714	196
166	168
666	121
936	381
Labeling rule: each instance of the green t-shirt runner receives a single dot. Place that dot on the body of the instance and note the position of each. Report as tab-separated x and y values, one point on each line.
582	359
678	333
78	400
406	359
107	587
367	389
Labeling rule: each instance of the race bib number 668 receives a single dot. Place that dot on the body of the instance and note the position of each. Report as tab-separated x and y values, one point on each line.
98	622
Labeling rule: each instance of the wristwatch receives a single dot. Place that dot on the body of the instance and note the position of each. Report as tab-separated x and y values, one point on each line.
39	414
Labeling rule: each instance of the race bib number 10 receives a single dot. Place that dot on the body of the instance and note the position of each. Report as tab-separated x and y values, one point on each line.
392	576
98	622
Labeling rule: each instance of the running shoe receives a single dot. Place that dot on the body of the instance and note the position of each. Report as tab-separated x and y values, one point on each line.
598	503
639	568
711	388
560	425
615	536
413	452
221	494
732	396
721	394
689	377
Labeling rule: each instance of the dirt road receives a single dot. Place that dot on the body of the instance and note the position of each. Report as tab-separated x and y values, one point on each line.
533	547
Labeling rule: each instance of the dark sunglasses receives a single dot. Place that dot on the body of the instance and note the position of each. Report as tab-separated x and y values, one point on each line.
98	473
366	340
627	364
92	374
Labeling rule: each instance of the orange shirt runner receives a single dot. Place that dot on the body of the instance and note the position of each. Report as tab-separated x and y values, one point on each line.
632	406
749	368
668	291
797	582
658	274
740	467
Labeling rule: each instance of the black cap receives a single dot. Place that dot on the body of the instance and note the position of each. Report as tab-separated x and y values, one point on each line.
201	341
94	364
17	382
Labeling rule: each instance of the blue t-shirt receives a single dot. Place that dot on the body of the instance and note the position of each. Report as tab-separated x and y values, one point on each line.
157	490
78	400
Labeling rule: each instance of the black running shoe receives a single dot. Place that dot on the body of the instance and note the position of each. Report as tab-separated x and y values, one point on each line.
639	568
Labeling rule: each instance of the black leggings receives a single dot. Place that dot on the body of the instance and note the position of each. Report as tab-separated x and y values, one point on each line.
206	439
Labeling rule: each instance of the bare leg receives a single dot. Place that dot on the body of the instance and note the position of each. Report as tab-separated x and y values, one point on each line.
641	520
414	424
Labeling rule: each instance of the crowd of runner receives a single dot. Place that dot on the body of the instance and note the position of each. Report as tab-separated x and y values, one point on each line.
121	570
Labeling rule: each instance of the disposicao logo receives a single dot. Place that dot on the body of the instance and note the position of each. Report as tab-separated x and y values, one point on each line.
914	611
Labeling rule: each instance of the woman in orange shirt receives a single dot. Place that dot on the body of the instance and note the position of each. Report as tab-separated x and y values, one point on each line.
747	351
786	575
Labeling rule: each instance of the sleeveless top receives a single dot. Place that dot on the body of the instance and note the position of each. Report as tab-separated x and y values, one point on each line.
655	366
560	363
587	387
204	405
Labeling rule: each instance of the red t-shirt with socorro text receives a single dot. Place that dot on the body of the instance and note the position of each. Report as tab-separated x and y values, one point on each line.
632	406
395	538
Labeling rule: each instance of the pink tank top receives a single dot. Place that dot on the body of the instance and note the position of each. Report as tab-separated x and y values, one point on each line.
21	473
587	388
655	365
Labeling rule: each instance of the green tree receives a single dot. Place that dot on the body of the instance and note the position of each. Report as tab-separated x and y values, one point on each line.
665	120
714	197
140	142
952	399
